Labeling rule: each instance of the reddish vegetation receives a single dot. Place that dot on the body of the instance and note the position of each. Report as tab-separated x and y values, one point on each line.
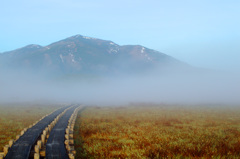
158	132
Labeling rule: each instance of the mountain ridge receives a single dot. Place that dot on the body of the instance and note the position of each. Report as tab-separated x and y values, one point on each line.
82	54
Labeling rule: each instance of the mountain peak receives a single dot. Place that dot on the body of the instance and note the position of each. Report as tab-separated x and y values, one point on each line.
83	54
78	36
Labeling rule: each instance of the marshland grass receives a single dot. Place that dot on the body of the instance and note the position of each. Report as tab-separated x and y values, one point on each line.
158	132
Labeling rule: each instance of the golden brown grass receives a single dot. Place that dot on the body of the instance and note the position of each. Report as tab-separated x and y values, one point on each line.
158	132
14	118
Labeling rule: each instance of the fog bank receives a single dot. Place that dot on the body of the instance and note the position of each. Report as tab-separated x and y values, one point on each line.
171	88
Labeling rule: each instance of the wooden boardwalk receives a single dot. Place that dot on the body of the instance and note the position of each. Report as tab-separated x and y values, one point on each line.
55	147
53	128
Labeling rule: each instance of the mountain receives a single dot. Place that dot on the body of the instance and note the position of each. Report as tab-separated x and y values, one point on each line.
86	55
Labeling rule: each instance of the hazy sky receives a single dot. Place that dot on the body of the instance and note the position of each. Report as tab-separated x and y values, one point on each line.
203	33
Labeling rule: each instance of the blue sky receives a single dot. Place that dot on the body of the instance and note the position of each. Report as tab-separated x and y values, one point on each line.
203	33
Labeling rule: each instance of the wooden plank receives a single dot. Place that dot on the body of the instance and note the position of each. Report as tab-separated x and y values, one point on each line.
55	147
22	147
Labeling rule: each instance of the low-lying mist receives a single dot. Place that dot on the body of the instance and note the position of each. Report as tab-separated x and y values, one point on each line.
174	87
